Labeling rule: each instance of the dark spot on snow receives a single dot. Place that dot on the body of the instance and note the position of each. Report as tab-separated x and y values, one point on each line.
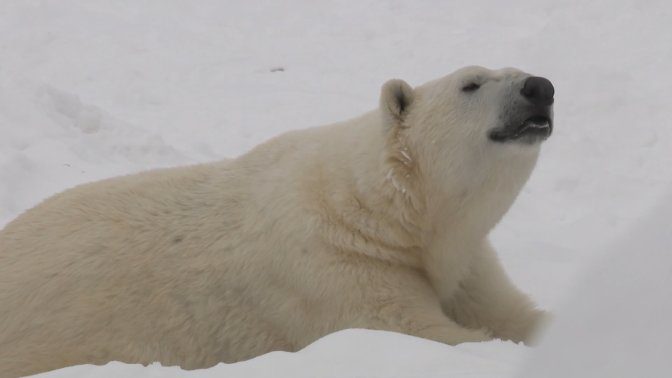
177	239
277	69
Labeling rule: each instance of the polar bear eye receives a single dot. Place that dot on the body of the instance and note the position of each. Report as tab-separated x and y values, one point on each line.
471	87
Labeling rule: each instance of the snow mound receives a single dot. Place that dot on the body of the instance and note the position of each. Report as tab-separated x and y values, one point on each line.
618	322
349	353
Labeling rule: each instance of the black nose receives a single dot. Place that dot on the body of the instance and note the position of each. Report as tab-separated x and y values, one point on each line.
538	90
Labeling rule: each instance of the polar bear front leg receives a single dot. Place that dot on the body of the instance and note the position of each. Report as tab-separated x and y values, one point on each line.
414	308
487	298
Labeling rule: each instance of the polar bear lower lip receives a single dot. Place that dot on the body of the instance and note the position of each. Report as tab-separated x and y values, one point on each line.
536	125
537	122
533	129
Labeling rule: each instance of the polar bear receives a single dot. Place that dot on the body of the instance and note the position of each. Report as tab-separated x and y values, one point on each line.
379	222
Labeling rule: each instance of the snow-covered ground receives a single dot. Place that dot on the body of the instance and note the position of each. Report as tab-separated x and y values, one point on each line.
91	89
617	323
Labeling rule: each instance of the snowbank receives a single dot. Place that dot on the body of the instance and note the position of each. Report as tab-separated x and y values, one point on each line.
350	353
617	324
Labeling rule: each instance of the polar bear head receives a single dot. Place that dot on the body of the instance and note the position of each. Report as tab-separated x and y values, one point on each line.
471	129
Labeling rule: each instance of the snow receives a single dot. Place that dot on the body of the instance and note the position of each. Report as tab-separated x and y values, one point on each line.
617	322
343	354
91	89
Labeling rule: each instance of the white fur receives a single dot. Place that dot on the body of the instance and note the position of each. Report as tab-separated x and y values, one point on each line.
379	222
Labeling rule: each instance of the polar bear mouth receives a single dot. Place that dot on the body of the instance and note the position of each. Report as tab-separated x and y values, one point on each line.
536	125
533	129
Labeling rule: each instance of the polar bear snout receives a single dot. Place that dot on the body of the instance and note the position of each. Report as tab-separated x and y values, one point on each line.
529	127
538	90
527	117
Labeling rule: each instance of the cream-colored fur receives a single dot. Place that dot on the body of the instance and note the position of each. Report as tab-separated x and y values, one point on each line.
379	222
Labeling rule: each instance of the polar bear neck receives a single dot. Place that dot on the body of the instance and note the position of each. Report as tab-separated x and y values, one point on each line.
475	196
365	194
470	200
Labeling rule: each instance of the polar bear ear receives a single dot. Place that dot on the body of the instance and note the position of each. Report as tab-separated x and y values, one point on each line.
395	99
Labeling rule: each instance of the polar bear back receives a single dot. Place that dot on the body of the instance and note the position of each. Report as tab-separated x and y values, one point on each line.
134	257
